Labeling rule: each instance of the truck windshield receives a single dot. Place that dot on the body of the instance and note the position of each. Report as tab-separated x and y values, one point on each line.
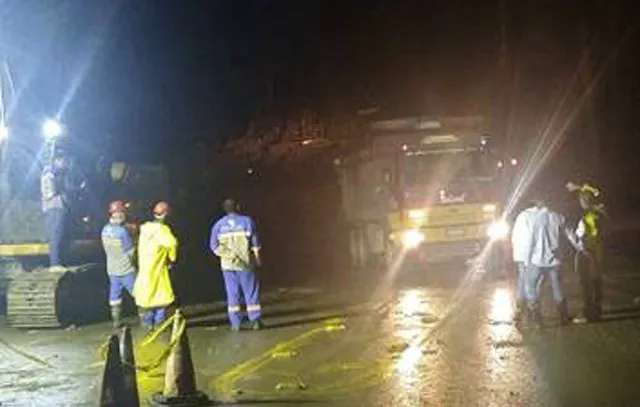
449	178
446	167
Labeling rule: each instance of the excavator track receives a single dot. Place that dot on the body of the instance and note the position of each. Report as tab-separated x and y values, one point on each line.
47	299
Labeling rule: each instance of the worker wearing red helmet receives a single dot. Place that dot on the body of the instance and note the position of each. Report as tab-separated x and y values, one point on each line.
157	251
119	249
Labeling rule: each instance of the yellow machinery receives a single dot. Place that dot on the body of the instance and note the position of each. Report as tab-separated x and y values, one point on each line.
40	298
430	189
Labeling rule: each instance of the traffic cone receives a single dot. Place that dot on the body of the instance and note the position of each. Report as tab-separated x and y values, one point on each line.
113	377
129	368
179	379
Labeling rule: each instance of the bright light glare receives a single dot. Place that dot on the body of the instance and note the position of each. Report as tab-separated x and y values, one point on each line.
51	129
412	301
412	238
498	230
514	162
501	306
489	208
409	361
500	164
417	214
4	133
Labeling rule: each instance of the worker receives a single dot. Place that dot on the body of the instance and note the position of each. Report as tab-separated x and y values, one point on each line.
235	241
521	246
589	257
56	207
548	232
157	253
119	249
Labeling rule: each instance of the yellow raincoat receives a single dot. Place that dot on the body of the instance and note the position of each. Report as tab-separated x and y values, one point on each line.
157	246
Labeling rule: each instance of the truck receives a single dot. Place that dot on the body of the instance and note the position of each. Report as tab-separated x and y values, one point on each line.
427	191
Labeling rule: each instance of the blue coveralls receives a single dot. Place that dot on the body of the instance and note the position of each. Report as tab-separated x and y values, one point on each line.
233	238
119	249
57	214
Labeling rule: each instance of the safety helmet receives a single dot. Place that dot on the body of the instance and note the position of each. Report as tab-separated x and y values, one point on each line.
117	207
161	209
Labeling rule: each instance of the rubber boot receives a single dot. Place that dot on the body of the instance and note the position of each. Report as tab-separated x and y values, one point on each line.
116	316
257	325
520	311
563	312
535	315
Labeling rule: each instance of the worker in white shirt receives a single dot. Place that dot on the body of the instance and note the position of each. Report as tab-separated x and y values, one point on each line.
548	233
521	247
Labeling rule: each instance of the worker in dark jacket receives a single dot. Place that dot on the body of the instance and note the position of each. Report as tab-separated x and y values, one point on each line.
589	259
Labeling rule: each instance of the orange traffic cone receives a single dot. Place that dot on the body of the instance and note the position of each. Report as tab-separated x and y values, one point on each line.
113	378
129	368
179	380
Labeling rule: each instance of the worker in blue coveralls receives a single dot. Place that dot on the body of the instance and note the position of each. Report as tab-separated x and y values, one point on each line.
119	249
235	242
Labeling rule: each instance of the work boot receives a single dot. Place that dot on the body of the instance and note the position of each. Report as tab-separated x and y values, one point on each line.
116	316
563	312
583	318
235	328
257	325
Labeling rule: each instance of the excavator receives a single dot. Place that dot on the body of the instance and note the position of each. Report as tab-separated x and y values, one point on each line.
31	294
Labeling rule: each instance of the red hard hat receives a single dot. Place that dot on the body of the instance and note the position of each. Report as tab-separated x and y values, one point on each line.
162	208
117	206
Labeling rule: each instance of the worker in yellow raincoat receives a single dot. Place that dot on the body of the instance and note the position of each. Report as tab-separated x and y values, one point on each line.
157	252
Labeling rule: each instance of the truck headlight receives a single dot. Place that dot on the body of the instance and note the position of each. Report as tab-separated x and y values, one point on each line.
412	238
498	230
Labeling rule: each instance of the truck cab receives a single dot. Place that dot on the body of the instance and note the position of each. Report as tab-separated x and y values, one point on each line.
428	190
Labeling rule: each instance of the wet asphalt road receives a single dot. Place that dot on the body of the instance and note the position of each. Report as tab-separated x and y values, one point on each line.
418	341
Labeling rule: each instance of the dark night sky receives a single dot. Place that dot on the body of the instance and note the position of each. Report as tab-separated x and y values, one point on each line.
160	74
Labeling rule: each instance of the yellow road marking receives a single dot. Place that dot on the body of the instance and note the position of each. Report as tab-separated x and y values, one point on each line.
223	384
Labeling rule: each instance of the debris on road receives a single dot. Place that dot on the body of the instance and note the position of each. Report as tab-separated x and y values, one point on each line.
287	354
398	347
